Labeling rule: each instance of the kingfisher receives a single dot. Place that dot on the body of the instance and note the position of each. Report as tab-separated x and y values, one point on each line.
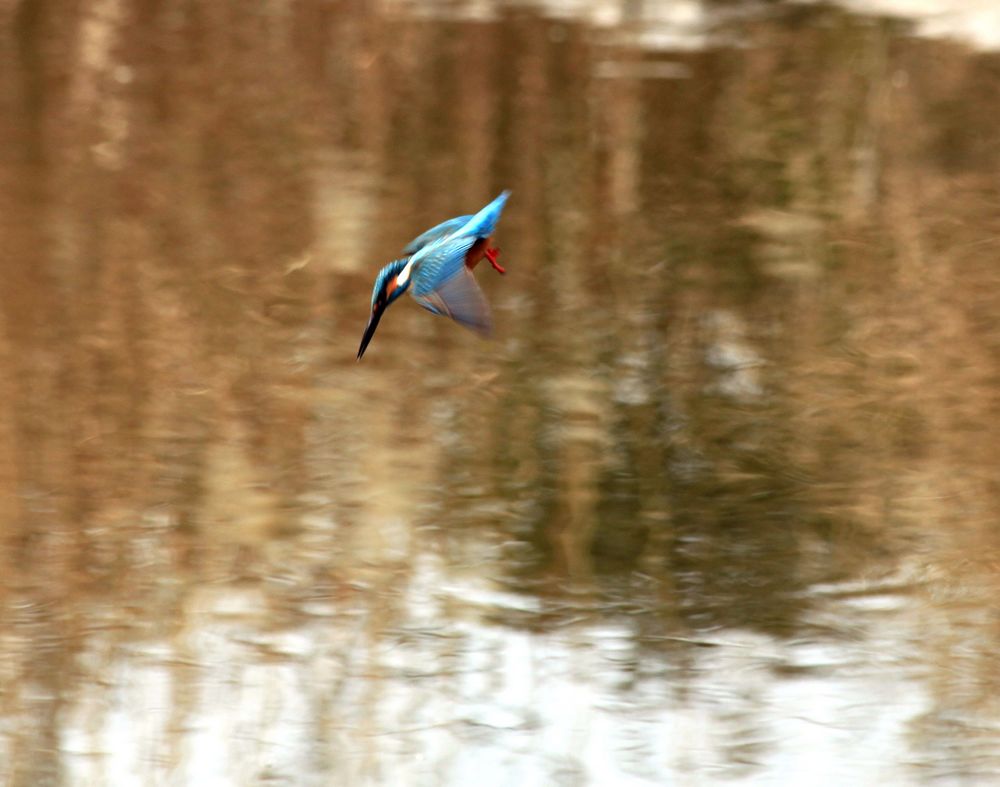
437	272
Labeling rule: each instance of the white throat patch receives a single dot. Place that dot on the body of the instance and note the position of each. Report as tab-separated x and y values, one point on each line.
404	274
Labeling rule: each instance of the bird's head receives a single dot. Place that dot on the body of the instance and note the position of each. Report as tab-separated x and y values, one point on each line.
391	282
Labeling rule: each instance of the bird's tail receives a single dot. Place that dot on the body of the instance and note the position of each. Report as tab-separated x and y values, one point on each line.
482	224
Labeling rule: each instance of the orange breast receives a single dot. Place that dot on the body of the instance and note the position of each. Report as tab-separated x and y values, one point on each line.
476	252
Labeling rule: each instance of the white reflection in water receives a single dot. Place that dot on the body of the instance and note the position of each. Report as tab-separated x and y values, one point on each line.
446	697
680	25
976	22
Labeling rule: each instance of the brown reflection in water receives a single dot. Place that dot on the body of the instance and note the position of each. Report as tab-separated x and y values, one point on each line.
747	354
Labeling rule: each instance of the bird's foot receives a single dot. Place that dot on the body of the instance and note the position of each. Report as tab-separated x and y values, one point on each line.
491	255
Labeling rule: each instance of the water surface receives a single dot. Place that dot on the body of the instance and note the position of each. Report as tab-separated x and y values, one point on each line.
719	504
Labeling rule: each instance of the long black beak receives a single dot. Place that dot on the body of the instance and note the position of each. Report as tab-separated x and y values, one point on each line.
370	330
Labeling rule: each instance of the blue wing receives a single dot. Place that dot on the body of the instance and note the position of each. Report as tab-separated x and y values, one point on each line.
442	284
461	299
442	230
433	265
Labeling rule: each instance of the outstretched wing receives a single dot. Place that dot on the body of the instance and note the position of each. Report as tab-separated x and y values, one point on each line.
444	285
442	230
461	299
433	265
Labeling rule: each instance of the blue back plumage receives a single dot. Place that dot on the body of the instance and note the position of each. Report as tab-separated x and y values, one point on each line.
483	223
442	230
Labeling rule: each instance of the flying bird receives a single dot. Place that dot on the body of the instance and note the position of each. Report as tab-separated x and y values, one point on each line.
438	272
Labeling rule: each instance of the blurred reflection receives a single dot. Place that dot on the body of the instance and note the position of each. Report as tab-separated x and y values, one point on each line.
719	503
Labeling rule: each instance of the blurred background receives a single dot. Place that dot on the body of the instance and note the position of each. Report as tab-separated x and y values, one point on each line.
719	504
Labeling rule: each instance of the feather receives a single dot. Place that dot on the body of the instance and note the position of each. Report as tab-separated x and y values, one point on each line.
461	299
433	265
441	231
483	223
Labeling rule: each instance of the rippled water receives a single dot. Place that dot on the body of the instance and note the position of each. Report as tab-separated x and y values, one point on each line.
719	503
